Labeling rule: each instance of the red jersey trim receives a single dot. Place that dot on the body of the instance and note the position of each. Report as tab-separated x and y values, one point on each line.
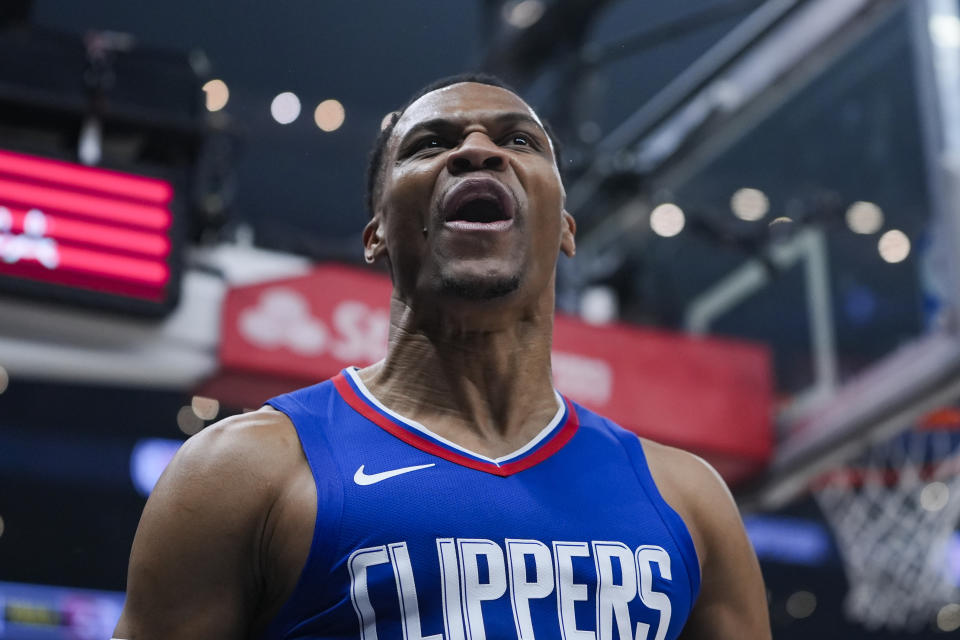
556	442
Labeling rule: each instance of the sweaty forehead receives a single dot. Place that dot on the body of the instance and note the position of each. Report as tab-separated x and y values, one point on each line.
466	101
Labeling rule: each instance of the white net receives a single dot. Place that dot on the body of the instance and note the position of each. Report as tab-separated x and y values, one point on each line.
894	512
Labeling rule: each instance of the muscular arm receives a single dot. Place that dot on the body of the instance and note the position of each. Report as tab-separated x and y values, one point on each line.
195	568
732	604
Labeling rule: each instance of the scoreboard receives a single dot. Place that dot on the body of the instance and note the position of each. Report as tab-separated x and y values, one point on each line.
87	235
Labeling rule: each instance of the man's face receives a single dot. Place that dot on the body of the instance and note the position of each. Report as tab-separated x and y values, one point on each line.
471	205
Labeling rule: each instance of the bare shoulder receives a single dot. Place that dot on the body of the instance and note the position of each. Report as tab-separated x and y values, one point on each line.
264	427
238	463
250	443
197	564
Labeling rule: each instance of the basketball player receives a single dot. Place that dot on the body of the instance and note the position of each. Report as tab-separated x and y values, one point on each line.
447	492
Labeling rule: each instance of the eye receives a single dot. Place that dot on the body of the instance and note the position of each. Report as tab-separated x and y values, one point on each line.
430	142
522	139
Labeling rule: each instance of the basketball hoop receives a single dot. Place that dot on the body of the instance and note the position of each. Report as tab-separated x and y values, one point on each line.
894	511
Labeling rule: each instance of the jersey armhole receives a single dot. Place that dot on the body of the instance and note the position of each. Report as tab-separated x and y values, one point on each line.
671	519
311	583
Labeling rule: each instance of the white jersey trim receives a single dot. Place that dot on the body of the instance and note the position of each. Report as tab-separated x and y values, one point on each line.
558	416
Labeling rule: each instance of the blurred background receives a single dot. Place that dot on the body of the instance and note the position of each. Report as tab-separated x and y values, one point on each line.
767	195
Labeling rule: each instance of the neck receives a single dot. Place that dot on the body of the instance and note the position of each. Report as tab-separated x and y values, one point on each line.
481	380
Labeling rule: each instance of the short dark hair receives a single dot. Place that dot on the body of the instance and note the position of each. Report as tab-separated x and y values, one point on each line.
375	162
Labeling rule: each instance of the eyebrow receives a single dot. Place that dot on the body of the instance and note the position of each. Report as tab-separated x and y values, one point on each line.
442	124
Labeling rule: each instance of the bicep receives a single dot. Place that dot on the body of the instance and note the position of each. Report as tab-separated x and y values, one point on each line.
733	602
191	572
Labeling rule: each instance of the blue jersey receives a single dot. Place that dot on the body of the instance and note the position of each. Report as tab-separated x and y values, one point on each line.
417	538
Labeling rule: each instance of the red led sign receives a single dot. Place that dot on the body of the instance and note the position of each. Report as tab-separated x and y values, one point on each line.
91	229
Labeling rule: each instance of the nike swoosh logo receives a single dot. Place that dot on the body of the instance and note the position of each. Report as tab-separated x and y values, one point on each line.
363	479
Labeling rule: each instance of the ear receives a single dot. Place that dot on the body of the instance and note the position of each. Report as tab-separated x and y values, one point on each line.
374	244
568	231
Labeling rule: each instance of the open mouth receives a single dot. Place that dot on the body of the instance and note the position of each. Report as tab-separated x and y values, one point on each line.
481	210
478	206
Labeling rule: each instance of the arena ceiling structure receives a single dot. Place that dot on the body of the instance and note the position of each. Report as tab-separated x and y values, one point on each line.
302	187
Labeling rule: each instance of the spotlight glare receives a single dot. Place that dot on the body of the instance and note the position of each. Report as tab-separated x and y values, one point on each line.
285	108
801	604
329	115
864	218
749	204
934	496
599	305
188	421
150	456
667	220
948	618
217	94
205	408
894	246
945	30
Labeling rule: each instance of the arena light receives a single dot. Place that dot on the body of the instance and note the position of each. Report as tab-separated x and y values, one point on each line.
934	496
285	107
894	246
188	421
749	204
105	234
217	94
945	29
329	115
148	459
599	305
864	218
948	618
205	408
801	604
667	220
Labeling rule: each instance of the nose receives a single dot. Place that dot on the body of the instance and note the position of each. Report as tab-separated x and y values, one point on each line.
476	152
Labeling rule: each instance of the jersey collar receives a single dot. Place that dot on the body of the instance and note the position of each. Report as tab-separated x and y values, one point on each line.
551	439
